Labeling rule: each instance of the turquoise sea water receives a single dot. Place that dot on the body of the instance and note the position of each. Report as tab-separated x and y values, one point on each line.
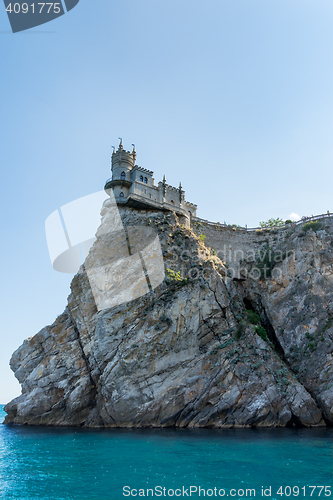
55	463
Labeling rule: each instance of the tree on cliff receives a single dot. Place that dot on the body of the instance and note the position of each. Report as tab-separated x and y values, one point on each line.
272	223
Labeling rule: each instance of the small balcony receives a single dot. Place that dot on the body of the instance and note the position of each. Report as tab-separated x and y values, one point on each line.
110	183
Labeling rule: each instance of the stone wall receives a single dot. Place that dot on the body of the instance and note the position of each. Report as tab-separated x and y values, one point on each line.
146	191
237	246
233	245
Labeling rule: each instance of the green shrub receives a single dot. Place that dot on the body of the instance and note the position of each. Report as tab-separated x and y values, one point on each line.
202	238
272	223
314	225
328	324
240	330
267	259
253	317
288	221
312	345
166	320
260	330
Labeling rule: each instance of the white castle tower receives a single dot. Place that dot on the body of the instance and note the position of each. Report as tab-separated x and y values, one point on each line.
134	186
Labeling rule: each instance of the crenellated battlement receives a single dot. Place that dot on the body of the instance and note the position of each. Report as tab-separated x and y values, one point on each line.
170	188
144	170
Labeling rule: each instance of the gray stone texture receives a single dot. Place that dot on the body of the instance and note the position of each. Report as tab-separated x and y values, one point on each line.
184	354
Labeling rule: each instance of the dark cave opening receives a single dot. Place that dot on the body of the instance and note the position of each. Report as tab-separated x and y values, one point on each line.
294	422
248	304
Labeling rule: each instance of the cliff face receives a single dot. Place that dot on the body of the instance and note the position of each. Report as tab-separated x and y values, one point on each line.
298	304
188	353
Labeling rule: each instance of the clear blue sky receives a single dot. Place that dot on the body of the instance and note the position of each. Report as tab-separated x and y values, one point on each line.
232	97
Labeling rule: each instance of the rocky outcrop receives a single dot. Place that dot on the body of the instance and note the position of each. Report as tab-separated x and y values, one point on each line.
297	302
187	353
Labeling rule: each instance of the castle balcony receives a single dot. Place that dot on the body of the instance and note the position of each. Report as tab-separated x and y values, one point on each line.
110	183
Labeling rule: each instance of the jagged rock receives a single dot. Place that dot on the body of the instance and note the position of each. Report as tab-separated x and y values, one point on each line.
183	354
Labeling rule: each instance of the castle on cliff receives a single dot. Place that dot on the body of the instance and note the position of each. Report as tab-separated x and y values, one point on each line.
134	186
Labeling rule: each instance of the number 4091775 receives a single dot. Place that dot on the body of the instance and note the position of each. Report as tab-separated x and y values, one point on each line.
295	491
37	8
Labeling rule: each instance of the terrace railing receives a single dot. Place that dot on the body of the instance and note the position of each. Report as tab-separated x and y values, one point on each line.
241	228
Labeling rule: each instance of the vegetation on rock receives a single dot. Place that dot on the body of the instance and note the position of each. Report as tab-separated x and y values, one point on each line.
314	225
271	223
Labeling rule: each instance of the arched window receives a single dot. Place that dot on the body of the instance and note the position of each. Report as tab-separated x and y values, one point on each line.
122	176
190	213
141	178
172	202
146	180
121	195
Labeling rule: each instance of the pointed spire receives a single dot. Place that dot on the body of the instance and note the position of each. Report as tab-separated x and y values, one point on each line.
164	186
181	193
120	144
134	152
114	150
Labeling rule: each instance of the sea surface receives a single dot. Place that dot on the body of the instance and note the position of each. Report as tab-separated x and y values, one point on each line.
68	464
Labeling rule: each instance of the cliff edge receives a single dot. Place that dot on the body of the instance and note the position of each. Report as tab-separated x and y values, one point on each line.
203	349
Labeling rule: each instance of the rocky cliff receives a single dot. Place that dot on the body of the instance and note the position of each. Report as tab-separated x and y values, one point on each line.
205	348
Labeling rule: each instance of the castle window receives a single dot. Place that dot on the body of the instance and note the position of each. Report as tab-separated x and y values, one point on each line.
121	195
190	213
122	176
172	202
141	178
146	180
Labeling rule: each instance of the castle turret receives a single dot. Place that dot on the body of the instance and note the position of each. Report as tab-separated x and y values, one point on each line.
122	164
